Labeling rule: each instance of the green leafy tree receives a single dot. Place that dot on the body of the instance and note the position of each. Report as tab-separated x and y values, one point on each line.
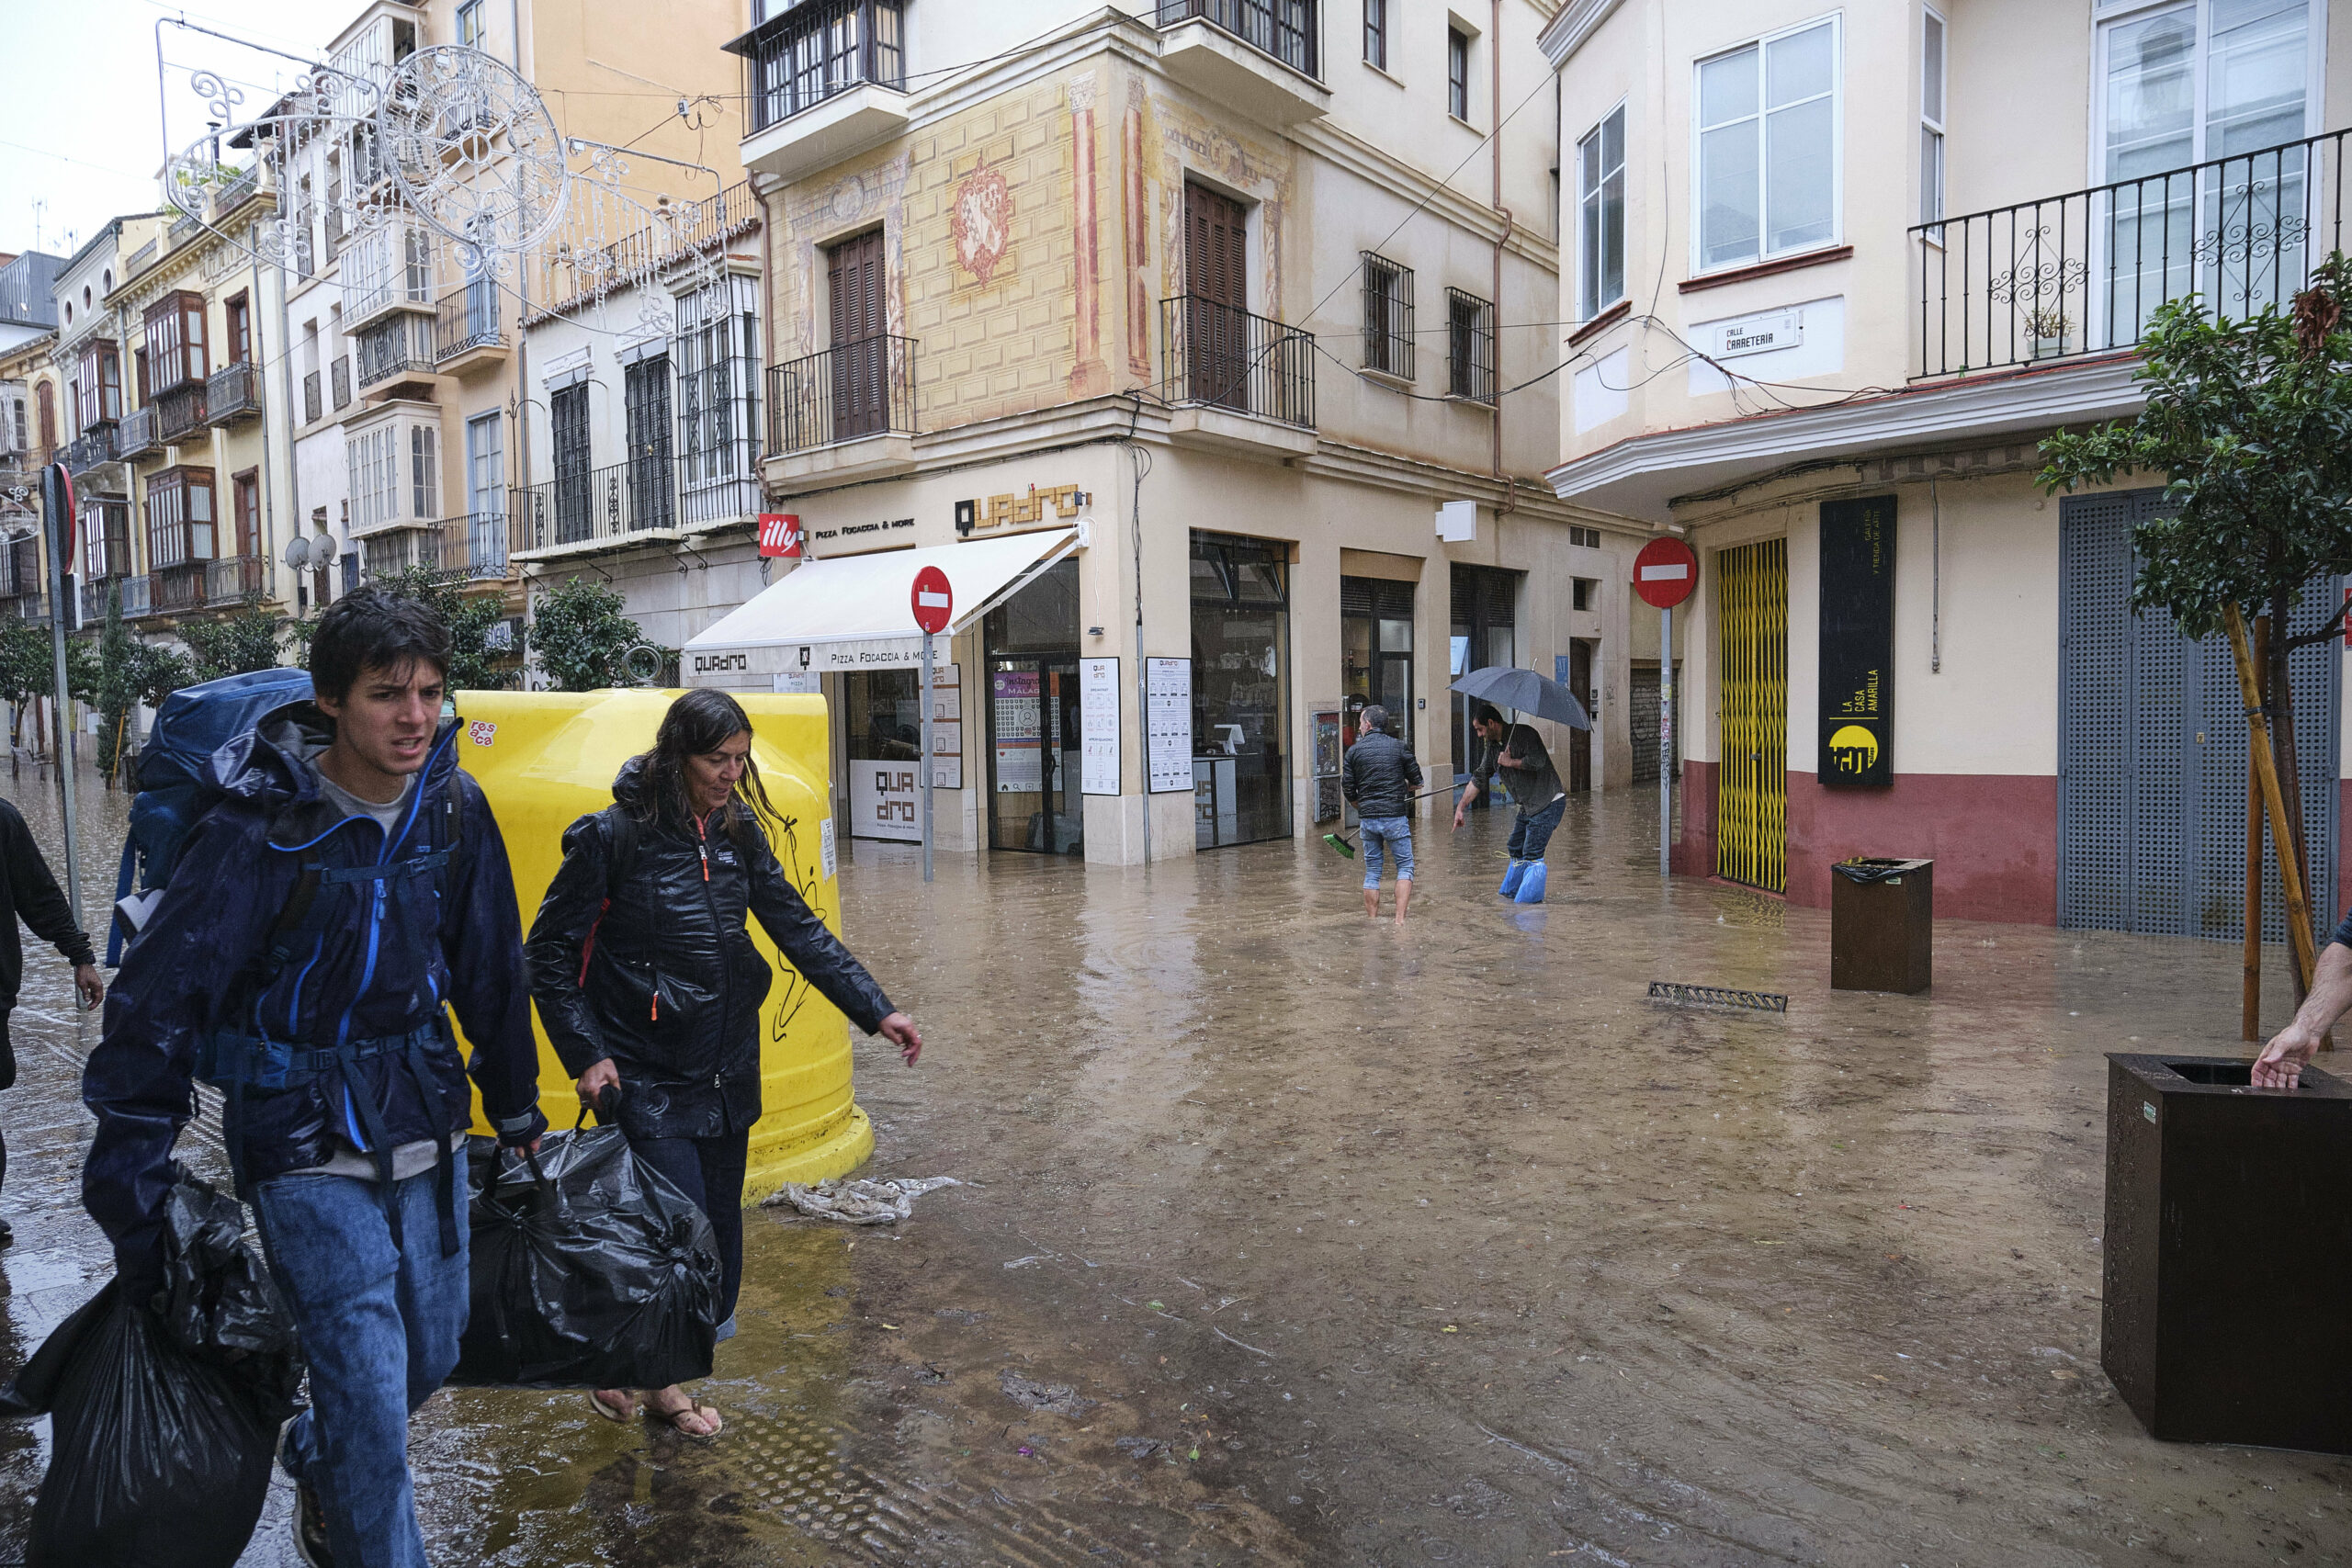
26	673
582	636
250	638
129	672
474	664
2249	422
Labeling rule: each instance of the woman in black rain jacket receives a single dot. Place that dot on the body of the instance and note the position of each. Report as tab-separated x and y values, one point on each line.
646	976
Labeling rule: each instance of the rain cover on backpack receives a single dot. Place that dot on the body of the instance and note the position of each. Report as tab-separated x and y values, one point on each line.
174	791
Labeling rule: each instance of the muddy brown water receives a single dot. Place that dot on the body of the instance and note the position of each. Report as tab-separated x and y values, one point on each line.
1297	1238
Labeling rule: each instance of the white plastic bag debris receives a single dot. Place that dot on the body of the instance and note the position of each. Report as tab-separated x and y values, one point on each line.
864	1202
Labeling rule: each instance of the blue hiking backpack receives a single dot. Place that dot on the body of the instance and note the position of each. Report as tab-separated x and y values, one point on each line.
173	793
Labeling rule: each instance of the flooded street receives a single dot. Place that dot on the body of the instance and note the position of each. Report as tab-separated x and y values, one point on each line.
1292	1238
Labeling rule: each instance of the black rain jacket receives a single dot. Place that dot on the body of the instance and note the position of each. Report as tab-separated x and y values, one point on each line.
1380	776
28	888
656	969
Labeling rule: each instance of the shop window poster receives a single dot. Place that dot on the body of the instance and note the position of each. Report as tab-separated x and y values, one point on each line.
1019	732
1857	721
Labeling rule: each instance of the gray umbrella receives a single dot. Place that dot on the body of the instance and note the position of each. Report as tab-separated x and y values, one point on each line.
1524	691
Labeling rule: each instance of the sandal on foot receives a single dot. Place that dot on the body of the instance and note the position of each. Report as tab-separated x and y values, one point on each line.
621	1415
707	1414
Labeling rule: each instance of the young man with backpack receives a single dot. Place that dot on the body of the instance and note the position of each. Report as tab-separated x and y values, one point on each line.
28	889
344	890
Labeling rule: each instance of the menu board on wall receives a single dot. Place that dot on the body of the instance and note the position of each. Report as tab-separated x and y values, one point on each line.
1168	724
1019	732
946	727
1098	707
1857	643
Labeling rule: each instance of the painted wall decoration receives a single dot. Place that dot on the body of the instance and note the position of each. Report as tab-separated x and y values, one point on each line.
1858	642
981	218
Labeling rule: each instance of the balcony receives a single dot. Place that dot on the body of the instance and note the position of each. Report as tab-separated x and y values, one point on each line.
234	392
387	267
391	551
1262	57
1236	381
232	579
478	545
88	450
2063	278
33	608
138	260
174	590
821	82
631	503
135	437
394	350
237	192
181	414
847	413
466	338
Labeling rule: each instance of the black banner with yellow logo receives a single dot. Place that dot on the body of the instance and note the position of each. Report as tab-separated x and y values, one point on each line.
1858	642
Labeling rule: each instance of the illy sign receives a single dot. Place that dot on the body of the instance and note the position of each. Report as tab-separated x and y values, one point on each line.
780	534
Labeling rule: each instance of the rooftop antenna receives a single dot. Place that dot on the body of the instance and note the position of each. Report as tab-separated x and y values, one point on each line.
40	205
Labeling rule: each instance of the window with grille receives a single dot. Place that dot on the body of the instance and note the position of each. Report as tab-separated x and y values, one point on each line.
645	397
1457	74
716	354
1600	215
1469	347
1376	33
1387	316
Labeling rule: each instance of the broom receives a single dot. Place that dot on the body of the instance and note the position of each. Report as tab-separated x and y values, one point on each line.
1339	842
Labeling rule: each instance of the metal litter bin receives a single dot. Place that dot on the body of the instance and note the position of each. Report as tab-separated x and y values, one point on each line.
2229	1253
1881	924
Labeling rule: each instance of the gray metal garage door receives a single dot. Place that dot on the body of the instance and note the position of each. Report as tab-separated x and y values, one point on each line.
2152	751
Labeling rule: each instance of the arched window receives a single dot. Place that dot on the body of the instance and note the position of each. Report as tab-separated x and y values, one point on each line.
46	397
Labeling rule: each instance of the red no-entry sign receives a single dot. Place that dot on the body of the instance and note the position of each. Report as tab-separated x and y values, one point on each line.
935	602
1666	572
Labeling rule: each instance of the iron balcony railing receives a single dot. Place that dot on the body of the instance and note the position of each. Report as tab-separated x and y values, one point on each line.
310	409
1288	31
233	195
468	320
848	391
175	588
817	50
88	450
579	267
94	592
234	392
182	231
136	436
2084	273
399	345
477	545
232	579
396	550
182	413
340	374
136	598
1224	357
33	608
608	505
139	259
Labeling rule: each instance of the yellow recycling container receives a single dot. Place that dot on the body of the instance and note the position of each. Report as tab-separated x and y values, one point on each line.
545	758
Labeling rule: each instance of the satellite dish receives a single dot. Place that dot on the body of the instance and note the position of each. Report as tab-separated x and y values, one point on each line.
297	552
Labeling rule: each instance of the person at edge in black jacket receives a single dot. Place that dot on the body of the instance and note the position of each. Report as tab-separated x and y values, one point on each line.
28	889
646	976
320	922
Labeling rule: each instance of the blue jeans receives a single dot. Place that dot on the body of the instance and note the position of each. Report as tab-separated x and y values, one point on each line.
378	1326
1532	831
1396	832
709	1171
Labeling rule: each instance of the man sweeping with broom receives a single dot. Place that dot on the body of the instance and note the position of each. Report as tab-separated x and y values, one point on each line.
1379	776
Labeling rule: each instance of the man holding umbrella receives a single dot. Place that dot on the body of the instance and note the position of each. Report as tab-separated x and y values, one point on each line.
1518	750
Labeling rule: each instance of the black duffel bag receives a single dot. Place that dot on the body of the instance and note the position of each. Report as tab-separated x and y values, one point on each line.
591	1269
163	1412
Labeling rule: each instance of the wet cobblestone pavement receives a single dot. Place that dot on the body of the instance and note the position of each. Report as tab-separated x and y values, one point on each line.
1296	1238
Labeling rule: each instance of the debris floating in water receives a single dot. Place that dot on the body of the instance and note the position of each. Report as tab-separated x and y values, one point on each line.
1717	996
864	1202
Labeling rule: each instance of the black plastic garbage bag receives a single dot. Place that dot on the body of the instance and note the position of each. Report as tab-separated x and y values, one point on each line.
163	1414
590	1269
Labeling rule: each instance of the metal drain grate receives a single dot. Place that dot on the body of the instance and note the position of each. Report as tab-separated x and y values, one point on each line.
1717	996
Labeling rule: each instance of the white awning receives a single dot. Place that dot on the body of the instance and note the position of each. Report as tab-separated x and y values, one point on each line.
857	612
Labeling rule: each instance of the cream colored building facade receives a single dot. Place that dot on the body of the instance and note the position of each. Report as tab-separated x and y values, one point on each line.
1839	270
1224	312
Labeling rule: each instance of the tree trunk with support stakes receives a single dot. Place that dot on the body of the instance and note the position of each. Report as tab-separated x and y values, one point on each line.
2250	1001
2259	748
2280	700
